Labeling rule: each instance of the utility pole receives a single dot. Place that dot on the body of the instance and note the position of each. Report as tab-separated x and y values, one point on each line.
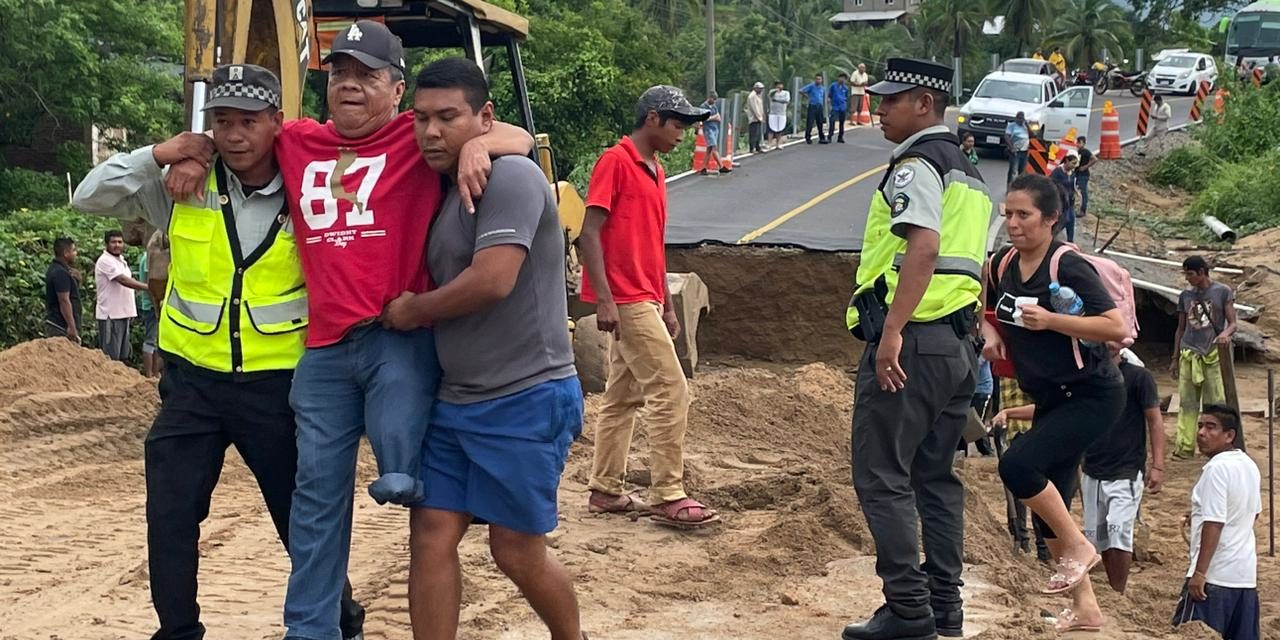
711	45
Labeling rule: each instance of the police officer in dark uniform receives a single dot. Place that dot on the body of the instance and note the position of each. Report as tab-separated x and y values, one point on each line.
914	304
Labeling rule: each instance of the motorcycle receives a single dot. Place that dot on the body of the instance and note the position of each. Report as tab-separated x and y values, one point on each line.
1116	78
1081	78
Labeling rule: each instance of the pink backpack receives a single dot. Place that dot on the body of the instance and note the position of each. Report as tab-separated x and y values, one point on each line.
1115	279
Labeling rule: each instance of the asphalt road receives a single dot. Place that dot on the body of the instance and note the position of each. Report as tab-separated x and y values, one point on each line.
816	196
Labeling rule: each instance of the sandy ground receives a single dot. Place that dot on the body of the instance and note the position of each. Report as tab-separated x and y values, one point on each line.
768	447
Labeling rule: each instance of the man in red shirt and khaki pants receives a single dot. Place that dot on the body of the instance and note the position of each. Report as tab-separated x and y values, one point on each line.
625	274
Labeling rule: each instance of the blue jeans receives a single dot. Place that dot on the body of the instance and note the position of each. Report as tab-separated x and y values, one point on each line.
376	382
1017	164
1069	223
1082	183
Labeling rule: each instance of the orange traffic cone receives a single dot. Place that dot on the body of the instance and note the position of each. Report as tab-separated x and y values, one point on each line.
864	111
1058	152
726	160
1109	145
699	151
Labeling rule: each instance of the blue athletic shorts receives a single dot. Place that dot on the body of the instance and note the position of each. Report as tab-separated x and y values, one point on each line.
501	460
712	137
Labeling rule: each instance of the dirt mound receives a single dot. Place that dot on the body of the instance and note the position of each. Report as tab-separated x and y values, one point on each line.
782	305
55	365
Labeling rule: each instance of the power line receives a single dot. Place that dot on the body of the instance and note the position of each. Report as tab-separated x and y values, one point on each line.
815	36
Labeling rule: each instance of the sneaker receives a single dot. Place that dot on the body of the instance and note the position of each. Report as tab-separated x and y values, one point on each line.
824	142
702	172
725	170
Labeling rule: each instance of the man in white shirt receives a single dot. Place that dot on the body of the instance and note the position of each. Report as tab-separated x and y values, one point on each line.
1160	116
755	117
1221	589
115	306
858	82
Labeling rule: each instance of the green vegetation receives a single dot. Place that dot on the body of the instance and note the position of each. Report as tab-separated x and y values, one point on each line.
26	249
1232	165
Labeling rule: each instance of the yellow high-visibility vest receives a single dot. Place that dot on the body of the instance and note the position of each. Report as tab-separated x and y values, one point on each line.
225	312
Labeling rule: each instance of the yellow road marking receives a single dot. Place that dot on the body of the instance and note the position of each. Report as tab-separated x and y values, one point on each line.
776	222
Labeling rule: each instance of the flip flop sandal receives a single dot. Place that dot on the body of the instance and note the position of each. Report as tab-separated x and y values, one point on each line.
631	505
1067	623
667	514
1070	573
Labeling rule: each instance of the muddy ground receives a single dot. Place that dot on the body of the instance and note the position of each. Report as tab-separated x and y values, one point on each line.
768	446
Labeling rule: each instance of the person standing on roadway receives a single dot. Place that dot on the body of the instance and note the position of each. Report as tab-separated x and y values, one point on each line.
755	118
839	95
1160	116
858	83
229	372
779	102
914	304
816	92
1017	142
711	133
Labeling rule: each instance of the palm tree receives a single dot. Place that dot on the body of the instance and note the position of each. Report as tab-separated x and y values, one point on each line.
1090	26
948	25
1023	18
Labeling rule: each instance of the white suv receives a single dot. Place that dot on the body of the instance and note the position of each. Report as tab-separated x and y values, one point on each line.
1001	95
1183	73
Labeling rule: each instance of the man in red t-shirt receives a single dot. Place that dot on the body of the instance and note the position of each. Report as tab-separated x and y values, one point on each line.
625	274
362	200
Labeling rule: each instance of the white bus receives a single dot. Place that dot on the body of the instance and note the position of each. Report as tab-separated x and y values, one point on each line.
1253	37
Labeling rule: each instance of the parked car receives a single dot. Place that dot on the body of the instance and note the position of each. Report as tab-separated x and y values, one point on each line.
1183	73
1049	112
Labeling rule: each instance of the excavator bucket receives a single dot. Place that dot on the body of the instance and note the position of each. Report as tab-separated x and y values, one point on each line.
275	34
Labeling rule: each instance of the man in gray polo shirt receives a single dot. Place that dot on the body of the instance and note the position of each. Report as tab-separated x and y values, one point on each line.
509	404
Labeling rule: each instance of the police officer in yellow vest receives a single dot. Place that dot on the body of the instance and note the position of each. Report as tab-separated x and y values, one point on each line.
232	326
915	304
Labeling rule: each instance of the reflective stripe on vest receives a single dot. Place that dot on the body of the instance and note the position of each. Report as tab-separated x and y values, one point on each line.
226	312
956	280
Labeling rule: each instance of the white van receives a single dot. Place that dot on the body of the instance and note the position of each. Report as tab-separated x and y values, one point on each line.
1182	72
1001	95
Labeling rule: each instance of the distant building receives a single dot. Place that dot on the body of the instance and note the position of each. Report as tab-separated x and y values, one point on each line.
874	12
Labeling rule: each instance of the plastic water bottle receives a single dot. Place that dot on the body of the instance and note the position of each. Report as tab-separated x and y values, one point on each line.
1065	300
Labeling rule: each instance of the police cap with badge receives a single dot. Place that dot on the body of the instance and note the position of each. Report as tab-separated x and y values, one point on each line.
247	87
905	74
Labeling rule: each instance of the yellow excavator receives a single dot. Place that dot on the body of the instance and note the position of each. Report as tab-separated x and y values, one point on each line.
291	36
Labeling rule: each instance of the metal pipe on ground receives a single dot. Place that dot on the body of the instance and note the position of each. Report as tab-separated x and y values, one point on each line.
1219	229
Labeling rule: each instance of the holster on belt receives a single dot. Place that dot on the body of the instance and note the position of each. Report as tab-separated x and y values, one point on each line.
872	309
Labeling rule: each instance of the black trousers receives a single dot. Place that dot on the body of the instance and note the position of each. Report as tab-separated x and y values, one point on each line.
903	447
199	418
813	117
1067	420
754	134
837	117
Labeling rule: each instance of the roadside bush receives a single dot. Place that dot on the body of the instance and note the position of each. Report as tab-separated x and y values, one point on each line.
1250	127
26	249
1244	195
26	189
1191	168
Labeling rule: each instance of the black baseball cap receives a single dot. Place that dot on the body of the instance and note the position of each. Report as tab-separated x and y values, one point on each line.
372	43
666	99
905	74
247	87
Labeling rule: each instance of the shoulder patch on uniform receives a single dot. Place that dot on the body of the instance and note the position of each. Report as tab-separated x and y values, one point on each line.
900	203
903	176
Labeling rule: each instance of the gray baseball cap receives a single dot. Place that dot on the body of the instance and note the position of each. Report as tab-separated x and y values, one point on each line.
247	87
666	99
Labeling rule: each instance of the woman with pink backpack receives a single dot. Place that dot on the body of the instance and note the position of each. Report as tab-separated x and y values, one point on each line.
1061	361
